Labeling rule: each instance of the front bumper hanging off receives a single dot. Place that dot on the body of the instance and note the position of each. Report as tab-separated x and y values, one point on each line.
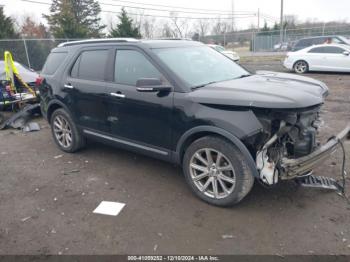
292	168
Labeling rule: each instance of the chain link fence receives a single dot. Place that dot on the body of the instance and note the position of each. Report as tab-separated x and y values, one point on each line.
268	41
29	52
271	40
33	52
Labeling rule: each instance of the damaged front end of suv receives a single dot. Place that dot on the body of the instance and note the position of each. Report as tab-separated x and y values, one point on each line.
288	147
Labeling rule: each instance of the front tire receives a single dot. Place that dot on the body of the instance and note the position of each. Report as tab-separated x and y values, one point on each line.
301	67
216	171
65	133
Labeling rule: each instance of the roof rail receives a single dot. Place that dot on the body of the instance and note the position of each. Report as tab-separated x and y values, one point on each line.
172	38
95	41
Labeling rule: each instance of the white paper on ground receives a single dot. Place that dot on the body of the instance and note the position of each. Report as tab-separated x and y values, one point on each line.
109	208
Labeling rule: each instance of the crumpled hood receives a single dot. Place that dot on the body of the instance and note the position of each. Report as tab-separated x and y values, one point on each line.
264	90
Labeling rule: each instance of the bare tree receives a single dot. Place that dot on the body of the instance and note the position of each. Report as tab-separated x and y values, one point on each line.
174	18
220	27
290	21
148	27
167	31
180	25
203	26
138	19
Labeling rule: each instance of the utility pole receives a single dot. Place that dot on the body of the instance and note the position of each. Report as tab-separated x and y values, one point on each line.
281	23
232	21
323	27
258	19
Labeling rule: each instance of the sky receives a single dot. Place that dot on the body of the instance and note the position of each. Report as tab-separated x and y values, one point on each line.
321	10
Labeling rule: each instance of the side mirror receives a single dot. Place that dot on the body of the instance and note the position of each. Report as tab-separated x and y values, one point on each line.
151	85
346	53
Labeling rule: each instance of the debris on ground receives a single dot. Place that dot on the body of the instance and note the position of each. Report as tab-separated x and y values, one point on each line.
25	219
66	173
20	119
31	126
58	156
109	208
227	236
155	247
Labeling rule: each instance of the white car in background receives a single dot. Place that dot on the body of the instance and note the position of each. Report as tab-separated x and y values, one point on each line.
230	54
325	57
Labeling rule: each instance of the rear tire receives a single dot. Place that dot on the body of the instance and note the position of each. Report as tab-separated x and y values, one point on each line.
65	133
301	67
216	171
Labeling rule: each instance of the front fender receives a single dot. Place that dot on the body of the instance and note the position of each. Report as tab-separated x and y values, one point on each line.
219	131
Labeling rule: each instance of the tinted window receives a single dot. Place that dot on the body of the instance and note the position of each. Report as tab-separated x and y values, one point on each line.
333	50
327	50
304	42
317	50
90	65
75	69
53	62
131	65
318	41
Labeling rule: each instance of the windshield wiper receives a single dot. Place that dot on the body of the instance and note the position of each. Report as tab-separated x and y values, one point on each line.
202	85
243	76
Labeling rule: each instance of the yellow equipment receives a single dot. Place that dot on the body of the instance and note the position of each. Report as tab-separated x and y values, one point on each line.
12	75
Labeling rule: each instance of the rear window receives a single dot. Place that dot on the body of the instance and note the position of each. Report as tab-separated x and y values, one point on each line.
318	50
53	62
318	41
90	65
303	42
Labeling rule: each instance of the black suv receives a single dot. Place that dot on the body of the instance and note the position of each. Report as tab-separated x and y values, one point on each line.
183	102
318	40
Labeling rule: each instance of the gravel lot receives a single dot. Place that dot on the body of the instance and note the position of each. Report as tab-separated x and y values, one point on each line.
46	209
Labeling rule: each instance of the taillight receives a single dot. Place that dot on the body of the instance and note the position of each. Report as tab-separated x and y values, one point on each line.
39	80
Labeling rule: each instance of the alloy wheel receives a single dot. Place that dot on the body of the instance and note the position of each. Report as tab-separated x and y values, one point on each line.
212	173
62	131
300	67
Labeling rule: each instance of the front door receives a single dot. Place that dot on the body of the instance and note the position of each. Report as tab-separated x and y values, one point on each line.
142	118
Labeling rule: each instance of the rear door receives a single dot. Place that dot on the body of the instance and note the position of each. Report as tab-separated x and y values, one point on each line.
316	58
141	118
86	86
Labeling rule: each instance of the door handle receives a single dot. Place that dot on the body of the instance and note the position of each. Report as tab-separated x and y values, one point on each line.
68	86
119	95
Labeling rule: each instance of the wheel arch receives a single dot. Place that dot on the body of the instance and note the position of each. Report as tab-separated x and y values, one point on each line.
201	131
53	106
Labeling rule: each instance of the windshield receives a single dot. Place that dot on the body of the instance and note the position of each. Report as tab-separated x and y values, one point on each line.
345	40
200	65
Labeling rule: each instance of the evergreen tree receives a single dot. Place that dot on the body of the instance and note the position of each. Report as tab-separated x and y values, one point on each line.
265	28
7	29
276	27
125	28
75	18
